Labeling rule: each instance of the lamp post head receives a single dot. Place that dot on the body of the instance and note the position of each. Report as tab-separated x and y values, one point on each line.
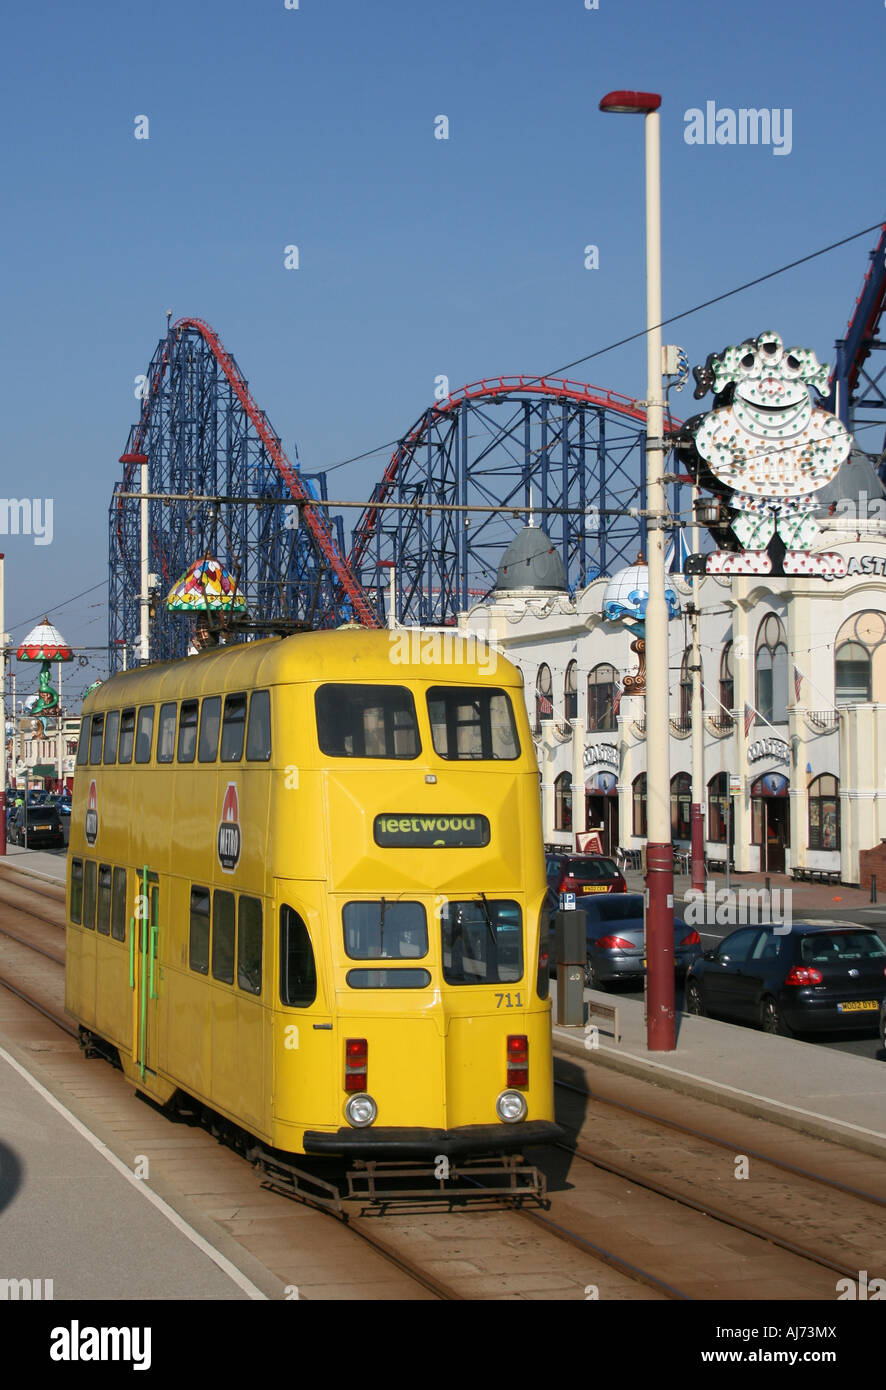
634	103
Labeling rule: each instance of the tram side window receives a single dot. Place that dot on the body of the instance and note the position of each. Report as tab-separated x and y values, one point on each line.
187	731
76	890
95	743
118	905
298	972
127	735
210	719
233	728
366	721
223	936
258	734
103	918
145	734
472	723
249	945
83	744
166	733
89	894
112	728
198	945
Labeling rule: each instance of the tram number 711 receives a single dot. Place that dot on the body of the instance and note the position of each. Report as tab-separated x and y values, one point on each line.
509	1001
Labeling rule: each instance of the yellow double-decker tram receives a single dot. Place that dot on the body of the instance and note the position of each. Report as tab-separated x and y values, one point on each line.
306	890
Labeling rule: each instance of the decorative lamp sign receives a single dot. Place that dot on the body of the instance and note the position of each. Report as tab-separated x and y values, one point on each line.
775	748
770	450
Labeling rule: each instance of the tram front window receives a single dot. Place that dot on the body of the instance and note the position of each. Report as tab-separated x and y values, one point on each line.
385	930
482	942
367	721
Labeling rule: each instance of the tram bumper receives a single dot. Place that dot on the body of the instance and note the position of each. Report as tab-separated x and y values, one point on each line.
409	1142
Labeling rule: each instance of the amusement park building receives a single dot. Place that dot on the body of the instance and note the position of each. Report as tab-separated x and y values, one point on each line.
794	699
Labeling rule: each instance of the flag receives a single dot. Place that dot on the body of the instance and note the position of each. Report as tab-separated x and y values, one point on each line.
798	682
749	714
545	705
619	691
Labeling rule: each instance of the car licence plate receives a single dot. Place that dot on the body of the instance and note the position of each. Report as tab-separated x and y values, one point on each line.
857	1006
593	887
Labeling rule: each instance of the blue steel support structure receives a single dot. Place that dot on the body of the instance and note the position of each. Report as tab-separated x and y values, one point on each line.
856	385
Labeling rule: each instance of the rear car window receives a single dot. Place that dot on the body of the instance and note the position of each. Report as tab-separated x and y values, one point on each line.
823	948
590	870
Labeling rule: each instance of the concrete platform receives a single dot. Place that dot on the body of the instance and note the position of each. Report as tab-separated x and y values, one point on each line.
815	1090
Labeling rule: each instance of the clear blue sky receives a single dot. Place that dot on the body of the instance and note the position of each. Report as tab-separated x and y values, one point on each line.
419	256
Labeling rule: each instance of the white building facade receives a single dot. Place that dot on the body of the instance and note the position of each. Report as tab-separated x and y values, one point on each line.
793	694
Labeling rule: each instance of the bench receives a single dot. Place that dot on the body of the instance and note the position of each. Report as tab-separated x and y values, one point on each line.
607	1011
806	875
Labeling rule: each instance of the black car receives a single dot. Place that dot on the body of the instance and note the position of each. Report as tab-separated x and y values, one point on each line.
816	976
44	827
616	947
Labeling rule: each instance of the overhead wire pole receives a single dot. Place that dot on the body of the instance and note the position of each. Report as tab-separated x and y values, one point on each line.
660	1018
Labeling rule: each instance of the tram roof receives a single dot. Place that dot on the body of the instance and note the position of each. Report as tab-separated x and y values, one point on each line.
431	654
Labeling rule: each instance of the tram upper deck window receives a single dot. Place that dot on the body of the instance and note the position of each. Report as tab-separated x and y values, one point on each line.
472	723
127	735
482	942
144	734
112	729
385	930
166	733
83	744
258	735
95	742
233	728
367	721
187	731
210	723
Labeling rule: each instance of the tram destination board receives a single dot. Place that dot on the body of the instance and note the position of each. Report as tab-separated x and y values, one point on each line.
393	830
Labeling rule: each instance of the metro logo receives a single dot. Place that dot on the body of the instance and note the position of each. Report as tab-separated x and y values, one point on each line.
229	839
91	823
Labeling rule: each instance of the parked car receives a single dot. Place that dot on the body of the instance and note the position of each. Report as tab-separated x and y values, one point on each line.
883	1023
44	827
616	947
583	873
819	975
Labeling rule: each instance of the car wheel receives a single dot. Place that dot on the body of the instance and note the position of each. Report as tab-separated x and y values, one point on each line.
592	975
694	1001
772	1019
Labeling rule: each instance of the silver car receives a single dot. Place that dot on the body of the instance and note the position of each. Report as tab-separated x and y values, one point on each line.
616	942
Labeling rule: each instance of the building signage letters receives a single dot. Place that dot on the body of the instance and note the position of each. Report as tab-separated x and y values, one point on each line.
394	831
769	748
600	753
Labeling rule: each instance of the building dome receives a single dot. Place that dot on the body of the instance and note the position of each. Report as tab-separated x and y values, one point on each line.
627	594
531	561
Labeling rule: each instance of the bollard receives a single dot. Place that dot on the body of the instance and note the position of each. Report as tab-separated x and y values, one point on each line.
873	888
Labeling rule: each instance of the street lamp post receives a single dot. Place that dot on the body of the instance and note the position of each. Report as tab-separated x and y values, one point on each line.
660	1022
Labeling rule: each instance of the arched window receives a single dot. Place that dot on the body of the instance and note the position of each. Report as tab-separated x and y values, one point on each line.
570	692
602	694
544	692
640	805
681	806
824	812
771	687
860	659
718	798
563	802
727	680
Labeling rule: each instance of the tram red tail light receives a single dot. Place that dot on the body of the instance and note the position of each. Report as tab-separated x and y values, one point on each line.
356	1064
518	1059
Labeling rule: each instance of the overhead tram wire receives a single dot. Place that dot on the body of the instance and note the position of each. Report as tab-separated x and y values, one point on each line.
641	333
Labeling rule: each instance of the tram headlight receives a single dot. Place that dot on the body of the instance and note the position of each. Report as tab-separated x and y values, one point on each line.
361	1111
511	1107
